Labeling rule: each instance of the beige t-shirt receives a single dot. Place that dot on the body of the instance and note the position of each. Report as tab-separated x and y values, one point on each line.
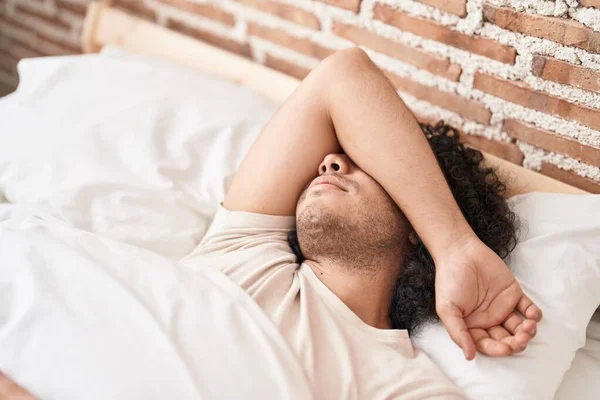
343	357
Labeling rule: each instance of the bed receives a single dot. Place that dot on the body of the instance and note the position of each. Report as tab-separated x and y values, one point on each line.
108	28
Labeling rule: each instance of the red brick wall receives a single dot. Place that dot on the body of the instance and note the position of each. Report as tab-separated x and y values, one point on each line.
521	79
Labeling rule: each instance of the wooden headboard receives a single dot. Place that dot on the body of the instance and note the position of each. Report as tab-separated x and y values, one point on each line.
108	26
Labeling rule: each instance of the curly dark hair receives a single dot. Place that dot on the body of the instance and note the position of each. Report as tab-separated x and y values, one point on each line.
479	193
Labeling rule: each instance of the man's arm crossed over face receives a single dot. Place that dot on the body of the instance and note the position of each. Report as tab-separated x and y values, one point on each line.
347	104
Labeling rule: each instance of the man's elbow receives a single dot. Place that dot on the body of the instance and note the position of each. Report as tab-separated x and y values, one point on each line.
343	74
348	58
347	63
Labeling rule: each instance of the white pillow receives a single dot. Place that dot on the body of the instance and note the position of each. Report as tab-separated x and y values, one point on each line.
557	263
127	146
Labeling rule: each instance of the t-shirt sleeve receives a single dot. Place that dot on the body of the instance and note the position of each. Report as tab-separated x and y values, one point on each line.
246	225
248	247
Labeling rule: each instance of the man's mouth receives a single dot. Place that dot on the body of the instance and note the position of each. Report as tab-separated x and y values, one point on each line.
328	181
320	185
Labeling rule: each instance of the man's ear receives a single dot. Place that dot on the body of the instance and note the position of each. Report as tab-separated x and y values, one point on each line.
412	237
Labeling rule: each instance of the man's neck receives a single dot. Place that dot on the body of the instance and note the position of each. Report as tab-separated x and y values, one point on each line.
366	289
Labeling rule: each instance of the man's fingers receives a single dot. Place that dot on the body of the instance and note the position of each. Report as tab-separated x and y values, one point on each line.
487	345
512	322
515	323
498	332
455	324
517	342
497	341
528	309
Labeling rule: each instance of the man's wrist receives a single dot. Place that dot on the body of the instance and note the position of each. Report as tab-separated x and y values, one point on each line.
450	242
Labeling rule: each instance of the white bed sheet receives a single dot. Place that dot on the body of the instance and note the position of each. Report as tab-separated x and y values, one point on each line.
582	380
84	316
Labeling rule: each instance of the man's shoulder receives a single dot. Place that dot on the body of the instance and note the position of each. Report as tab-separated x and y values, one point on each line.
247	247
240	219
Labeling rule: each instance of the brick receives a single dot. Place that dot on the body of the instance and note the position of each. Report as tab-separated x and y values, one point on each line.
285	11
590	3
71	6
520	93
419	58
19	49
137	8
352	5
10	80
570	178
470	109
458	7
40	39
8	64
7	70
60	17
208	37
551	142
507	151
206	10
6	89
10	21
22	51
24	44
43	17
434	31
286	67
564	31
287	40
10	56
35	8
65	48
29	29
51	49
562	72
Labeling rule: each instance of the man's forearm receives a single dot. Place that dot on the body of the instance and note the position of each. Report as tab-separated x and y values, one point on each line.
347	102
381	135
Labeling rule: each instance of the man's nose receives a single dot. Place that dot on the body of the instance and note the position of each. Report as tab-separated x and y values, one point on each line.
333	164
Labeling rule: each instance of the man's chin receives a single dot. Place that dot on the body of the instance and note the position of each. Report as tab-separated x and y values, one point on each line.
316	209
319	201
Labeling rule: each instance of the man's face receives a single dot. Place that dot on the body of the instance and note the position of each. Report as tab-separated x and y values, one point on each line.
344	213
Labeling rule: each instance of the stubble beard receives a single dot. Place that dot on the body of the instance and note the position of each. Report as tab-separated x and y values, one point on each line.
355	238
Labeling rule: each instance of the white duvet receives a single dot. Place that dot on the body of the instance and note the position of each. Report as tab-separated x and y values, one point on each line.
87	317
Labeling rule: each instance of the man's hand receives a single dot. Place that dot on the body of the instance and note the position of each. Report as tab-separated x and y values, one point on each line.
9	390
476	299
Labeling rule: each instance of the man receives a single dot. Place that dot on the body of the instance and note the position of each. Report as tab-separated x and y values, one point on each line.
354	214
345	162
